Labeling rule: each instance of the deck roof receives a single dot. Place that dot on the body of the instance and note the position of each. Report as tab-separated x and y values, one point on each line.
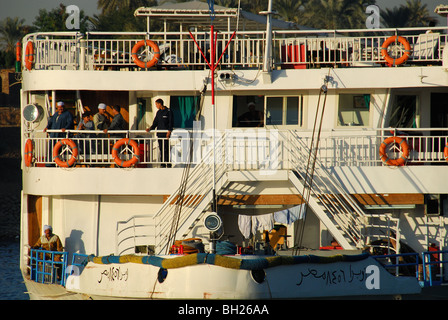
197	14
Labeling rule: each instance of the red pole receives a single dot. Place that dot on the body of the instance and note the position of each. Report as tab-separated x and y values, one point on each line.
212	62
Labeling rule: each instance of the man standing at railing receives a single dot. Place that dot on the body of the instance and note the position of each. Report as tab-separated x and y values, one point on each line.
50	242
61	120
118	122
100	119
164	120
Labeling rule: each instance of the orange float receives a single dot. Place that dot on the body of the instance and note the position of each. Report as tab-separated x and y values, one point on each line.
28	154
403	146
74	150
445	152
403	58
29	55
144	43
135	151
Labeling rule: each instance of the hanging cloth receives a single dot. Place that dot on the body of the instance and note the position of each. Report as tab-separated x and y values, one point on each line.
245	224
262	222
288	216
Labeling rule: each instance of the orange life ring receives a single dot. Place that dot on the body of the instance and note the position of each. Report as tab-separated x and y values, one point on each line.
74	149
29	55
403	146
28	154
403	58
135	151
154	47
18	51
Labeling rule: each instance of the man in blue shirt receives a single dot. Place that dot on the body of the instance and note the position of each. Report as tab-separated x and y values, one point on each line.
62	120
164	120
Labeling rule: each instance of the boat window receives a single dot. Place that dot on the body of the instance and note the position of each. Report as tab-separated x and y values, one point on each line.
404	112
248	111
286	110
184	109
354	110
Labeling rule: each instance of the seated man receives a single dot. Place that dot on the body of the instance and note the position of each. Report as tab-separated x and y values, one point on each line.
49	241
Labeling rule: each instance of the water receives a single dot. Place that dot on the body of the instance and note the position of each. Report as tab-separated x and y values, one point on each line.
11	281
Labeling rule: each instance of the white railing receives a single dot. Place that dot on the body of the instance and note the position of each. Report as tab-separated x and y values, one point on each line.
291	49
251	149
179	212
328	192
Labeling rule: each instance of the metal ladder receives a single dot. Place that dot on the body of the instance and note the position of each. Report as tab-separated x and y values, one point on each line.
197	196
194	197
339	212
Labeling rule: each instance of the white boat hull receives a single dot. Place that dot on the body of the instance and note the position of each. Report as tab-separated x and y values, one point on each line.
208	281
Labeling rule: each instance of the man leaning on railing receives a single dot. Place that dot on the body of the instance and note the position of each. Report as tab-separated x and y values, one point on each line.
49	242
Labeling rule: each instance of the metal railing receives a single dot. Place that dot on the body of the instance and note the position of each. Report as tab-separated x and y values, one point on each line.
429	268
291	49
179	212
340	207
400	263
252	149
48	266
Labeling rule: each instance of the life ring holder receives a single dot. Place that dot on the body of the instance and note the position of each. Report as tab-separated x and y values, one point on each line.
29	55
147	64
74	151
391	61
403	146
135	150
28	153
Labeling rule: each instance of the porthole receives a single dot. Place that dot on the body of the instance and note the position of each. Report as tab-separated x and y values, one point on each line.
161	276
258	275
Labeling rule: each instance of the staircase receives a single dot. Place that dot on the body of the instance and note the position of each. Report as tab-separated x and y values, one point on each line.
339	212
181	211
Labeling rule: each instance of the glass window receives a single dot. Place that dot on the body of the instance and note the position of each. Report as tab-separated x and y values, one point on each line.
354	110
248	111
284	110
404	112
292	110
274	110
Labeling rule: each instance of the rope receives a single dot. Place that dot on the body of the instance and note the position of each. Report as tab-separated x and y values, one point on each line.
308	180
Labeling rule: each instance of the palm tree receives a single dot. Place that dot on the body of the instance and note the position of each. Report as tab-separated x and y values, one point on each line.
290	10
335	14
11	31
418	14
412	14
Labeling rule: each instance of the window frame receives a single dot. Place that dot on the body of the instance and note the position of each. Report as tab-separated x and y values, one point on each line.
300	110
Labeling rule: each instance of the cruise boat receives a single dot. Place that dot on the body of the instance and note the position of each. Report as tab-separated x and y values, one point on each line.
302	164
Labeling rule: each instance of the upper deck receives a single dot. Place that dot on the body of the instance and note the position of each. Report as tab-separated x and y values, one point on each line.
179	51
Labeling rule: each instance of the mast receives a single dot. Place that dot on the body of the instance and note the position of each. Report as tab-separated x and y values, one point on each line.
268	47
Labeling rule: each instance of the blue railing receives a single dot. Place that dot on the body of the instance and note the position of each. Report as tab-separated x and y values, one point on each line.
428	269
48	266
432	265
399	264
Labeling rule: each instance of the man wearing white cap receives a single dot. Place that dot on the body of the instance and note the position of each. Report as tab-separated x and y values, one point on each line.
62	120
49	241
100	120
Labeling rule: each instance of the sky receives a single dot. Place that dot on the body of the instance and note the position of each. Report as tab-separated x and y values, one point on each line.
29	9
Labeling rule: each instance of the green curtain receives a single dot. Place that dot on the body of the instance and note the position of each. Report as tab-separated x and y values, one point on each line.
184	110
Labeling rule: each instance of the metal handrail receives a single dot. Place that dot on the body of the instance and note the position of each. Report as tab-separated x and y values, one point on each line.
345	148
46	269
94	50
